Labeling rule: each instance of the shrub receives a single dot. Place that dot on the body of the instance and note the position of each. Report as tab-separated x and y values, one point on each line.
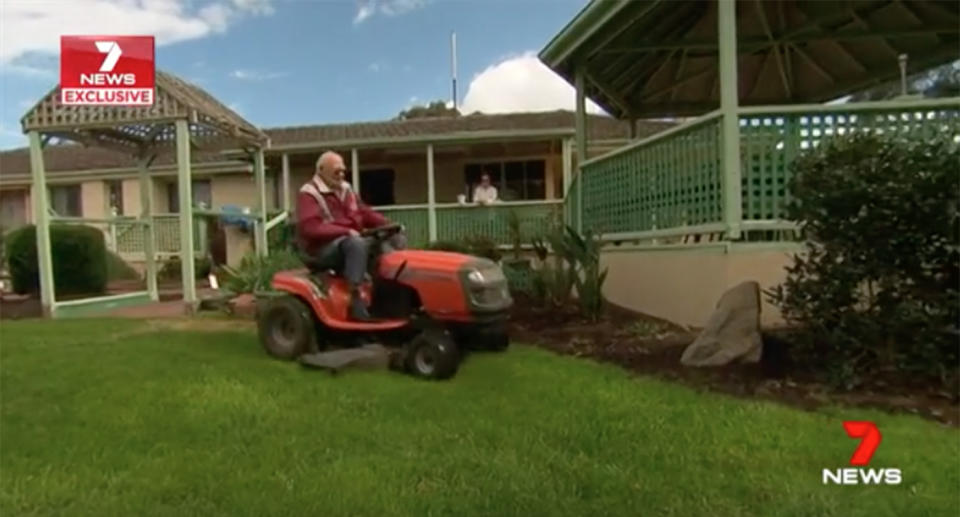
79	257
582	255
875	291
171	269
118	269
254	273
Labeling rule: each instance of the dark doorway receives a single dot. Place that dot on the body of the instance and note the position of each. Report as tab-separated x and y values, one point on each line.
376	187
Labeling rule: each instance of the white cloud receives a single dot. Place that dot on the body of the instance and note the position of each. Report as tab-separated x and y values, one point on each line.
520	83
35	27
29	71
368	8
255	75
377	67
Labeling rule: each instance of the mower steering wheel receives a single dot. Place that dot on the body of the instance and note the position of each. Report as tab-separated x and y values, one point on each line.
382	232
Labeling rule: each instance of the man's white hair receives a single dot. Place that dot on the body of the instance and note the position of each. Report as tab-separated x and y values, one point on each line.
324	157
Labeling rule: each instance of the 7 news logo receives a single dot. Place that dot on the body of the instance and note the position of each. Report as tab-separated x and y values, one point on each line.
870	439
107	70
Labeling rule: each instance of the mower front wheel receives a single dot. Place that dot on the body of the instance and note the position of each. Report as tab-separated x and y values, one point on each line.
433	355
286	327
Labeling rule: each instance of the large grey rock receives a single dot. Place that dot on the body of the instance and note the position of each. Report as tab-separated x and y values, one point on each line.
733	332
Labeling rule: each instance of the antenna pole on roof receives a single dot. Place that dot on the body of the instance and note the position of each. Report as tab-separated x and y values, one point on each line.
453	65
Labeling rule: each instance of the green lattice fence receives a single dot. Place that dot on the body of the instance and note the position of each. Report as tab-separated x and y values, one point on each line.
456	222
667	181
166	228
770	140
416	220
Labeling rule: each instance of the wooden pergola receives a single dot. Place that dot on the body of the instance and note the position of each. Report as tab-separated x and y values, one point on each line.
685	58
182	118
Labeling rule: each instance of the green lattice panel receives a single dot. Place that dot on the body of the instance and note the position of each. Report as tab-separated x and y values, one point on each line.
770	142
416	221
130	237
461	222
670	182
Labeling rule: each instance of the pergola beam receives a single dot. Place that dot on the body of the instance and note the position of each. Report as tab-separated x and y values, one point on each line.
775	47
750	45
814	65
611	94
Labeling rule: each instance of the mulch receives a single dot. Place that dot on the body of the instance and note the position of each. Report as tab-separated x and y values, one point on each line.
653	347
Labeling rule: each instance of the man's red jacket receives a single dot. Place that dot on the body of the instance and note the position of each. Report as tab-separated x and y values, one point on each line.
317	226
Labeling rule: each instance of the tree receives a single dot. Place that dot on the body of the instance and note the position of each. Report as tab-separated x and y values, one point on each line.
436	108
942	81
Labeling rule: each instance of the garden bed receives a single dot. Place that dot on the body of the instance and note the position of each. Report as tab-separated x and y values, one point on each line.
653	347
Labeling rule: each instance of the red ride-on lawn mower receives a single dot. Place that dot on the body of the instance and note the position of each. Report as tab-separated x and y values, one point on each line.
430	307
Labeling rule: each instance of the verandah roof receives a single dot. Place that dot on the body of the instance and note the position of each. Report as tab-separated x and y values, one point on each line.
645	58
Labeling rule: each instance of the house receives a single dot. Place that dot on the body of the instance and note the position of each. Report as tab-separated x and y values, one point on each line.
528	155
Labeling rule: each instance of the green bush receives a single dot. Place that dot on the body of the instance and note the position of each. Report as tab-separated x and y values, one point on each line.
171	269
480	246
582	269
255	272
875	291
79	257
118	269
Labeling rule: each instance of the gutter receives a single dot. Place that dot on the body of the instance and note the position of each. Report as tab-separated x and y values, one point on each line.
403	141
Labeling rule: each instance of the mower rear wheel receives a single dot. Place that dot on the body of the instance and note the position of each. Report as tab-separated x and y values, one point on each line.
433	355
286	327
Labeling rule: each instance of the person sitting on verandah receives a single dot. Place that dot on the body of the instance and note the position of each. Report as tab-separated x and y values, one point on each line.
330	217
485	193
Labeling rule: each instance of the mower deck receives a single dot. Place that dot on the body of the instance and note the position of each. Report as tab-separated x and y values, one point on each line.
334	361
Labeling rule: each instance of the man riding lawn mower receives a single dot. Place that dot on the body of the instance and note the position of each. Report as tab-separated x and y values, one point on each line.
361	285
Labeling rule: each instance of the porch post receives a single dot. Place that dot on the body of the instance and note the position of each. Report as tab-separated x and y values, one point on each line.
146	215
431	196
285	166
185	192
41	220
355	167
260	229
581	123
567	153
727	31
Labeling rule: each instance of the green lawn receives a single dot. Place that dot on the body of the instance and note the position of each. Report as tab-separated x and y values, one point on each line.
118	418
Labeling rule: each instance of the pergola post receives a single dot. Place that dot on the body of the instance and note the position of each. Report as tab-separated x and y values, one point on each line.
581	125
567	154
285	171
431	196
355	168
185	191
730	129
41	219
146	216
260	229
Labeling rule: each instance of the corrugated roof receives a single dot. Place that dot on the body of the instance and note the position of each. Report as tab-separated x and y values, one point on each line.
71	158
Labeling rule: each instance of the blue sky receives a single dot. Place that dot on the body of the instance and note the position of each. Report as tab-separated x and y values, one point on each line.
290	62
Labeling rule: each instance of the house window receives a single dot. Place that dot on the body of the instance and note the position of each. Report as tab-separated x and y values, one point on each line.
515	180
13	208
115	196
201	194
376	187
65	200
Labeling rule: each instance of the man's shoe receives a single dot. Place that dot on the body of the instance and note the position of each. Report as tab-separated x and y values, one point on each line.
358	311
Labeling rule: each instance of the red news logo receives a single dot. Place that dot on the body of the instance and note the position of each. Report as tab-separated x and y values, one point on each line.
107	70
870	439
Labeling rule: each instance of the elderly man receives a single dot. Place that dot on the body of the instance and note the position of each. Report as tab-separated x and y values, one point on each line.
330	218
485	193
